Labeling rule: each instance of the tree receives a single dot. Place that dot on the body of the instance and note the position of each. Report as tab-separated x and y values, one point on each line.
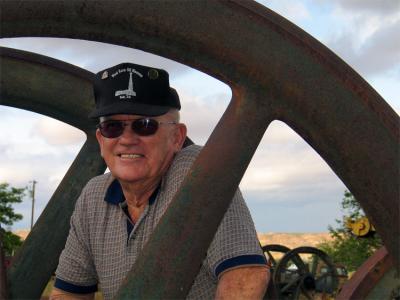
346	248
8	197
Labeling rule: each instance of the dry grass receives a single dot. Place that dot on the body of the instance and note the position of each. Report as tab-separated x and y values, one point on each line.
293	240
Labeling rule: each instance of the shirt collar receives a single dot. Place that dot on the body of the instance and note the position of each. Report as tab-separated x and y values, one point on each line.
114	194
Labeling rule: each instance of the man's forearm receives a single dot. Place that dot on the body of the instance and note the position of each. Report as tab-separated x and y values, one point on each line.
57	294
243	283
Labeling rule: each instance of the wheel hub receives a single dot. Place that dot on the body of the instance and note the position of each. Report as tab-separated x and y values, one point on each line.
308	282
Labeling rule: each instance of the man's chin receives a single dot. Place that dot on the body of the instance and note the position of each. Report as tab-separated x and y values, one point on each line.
127	177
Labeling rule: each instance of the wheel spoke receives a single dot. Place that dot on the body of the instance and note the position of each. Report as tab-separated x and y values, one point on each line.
314	265
271	258
302	267
298	292
323	276
323	281
290	283
305	293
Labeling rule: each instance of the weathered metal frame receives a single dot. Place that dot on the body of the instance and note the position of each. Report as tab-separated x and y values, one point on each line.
276	72
367	276
64	92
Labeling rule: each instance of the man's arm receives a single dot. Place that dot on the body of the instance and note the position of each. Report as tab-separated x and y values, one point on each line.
57	294
243	283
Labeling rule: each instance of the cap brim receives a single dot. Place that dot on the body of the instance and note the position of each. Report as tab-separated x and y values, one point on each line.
131	109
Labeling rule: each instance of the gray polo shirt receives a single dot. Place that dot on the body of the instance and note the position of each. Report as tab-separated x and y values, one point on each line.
103	243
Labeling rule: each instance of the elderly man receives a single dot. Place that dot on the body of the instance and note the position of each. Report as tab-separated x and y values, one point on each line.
141	140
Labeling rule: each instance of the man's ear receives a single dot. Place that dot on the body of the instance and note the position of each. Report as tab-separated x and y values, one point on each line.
100	138
180	136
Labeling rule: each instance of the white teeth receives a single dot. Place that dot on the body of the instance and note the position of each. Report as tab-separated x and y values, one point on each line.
130	155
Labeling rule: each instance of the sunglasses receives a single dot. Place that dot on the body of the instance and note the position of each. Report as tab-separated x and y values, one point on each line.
143	127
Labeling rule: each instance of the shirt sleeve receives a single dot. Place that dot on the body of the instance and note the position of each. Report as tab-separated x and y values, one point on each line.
235	243
76	272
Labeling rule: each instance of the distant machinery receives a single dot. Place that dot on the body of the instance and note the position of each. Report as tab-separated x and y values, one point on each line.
360	227
302	273
276	72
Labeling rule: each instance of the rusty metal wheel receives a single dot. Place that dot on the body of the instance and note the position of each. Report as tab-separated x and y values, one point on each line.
276	72
274	252
305	273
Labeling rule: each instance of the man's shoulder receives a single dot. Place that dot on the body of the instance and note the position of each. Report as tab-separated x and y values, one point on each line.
188	153
92	196
185	158
100	180
181	164
98	184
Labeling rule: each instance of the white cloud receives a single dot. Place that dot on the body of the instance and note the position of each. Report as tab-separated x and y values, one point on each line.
32	136
204	100
47	169
388	87
55	132
294	11
369	39
284	159
381	50
201	117
381	7
27	154
39	167
291	210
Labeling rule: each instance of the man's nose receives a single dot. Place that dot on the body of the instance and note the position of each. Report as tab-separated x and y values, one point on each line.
128	134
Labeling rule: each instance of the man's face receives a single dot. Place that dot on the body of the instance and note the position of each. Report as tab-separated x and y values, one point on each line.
132	158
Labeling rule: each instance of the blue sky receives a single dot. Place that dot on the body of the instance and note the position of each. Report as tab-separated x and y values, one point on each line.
287	186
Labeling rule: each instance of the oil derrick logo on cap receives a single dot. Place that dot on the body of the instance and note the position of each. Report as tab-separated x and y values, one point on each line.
128	93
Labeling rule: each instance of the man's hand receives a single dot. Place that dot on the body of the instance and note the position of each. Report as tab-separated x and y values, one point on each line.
57	294
243	283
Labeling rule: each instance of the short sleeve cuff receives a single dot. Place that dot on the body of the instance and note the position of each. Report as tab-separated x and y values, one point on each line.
241	260
72	288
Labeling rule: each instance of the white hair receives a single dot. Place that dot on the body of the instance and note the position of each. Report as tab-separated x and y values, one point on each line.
175	114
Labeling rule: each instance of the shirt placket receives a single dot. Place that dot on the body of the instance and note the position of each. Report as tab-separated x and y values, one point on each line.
131	236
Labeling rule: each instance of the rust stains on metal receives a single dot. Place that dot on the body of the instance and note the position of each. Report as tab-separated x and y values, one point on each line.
367	276
276	71
64	92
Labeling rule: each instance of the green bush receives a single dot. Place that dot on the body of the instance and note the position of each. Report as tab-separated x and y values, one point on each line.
345	248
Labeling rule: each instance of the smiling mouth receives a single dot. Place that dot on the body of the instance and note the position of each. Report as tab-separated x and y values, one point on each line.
130	156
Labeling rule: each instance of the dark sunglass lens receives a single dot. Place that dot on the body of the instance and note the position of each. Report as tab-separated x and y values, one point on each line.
145	126
111	129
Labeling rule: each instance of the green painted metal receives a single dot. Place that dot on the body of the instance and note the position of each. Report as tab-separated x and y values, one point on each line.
276	72
387	288
64	92
376	278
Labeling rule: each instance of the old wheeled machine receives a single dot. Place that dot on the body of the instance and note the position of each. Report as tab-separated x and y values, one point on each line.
276	72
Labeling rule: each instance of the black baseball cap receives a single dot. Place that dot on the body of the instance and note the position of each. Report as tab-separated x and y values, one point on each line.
133	89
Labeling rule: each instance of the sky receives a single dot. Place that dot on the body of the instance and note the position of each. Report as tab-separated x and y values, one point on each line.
287	186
